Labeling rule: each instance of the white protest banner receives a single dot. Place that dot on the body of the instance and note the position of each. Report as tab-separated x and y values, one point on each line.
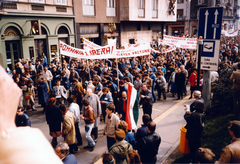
186	43
230	33
97	53
88	45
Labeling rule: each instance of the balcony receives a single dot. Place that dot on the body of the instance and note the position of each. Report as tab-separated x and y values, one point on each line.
155	13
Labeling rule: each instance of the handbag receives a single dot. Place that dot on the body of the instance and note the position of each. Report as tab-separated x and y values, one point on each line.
27	97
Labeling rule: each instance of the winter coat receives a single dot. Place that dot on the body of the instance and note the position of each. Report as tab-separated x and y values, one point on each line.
119	151
42	93
69	132
95	104
54	118
231	153
161	82
28	91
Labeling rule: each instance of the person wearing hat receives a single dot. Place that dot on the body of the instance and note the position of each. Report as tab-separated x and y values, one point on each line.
120	148
231	153
195	124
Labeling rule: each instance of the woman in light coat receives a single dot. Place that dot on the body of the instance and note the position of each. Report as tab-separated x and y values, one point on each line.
28	95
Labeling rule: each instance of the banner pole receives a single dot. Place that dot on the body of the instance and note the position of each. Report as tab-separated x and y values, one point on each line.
117	73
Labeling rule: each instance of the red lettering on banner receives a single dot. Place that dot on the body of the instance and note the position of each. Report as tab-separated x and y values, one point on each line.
112	50
103	51
93	52
108	50
98	52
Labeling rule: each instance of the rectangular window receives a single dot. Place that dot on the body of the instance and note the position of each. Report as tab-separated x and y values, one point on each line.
38	1
111	8
61	2
88	7
201	1
180	1
155	9
141	8
180	14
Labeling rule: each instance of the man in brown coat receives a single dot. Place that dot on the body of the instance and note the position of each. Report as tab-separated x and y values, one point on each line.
235	78
231	153
69	133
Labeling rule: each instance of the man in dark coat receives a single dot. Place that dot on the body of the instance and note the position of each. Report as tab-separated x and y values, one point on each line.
180	82
148	145
142	131
195	120
146	100
42	92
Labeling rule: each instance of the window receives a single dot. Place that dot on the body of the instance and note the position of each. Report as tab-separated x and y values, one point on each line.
38	1
61	2
111	8
88	7
180	14
141	8
155	9
180	1
201	1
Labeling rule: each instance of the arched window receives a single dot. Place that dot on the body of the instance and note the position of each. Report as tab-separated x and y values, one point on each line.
44	32
11	31
62	30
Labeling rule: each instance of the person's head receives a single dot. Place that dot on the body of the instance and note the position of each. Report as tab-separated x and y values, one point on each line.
40	78
144	87
62	150
145	119
197	94
45	69
195	70
20	111
151	126
30	82
105	90
124	94
70	100
89	92
110	108
75	81
107	158
182	67
234	129
238	66
119	135
86	102
121	83
58	82
96	80
123	125
205	155
133	157
137	77
63	108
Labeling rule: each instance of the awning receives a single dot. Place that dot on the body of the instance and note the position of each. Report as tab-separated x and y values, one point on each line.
178	25
194	24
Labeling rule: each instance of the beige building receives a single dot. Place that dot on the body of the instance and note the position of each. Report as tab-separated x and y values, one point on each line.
29	28
136	21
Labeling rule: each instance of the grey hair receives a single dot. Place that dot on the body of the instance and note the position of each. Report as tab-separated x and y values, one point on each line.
90	89
197	93
64	147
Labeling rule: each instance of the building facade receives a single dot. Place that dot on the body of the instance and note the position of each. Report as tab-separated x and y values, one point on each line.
136	21
29	28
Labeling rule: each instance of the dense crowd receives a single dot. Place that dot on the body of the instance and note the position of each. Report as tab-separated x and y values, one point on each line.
71	89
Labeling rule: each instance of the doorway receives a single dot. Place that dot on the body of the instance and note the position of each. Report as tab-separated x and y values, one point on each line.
40	48
13	53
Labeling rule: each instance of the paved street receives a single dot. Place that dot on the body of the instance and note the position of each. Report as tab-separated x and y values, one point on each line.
168	115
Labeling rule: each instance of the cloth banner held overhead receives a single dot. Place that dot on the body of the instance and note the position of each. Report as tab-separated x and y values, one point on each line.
96	53
186	43
133	50
230	33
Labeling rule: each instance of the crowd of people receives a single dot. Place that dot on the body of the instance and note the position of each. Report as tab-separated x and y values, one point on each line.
71	89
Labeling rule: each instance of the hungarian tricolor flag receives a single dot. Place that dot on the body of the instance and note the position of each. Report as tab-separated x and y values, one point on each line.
132	107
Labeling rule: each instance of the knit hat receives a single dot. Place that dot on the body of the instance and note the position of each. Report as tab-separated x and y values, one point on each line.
121	82
120	133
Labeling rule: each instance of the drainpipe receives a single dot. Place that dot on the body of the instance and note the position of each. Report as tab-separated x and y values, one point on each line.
75	27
